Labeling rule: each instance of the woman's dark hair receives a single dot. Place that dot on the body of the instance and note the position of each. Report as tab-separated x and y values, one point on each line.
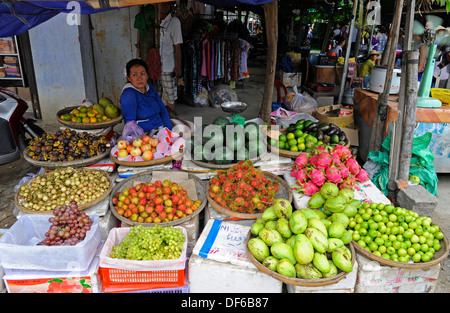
134	62
339	39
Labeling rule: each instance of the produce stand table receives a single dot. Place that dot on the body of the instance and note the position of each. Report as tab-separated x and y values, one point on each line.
434	120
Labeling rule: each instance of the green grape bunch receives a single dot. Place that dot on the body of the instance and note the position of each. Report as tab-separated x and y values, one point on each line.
150	243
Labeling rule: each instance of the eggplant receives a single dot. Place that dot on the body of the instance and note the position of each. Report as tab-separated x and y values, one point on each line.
342	136
319	135
332	131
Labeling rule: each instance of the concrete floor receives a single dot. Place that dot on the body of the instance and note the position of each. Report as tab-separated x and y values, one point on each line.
252	94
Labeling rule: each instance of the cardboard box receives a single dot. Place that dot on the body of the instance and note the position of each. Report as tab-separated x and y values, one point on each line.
352	135
290	79
326	114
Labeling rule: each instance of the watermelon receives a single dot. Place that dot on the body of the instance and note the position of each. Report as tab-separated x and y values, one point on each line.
201	154
223	155
222	122
213	135
251	130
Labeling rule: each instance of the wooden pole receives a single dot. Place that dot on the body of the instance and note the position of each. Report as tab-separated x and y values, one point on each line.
410	114
397	129
381	109
271	16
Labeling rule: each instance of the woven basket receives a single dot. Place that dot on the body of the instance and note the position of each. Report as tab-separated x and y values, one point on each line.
86	126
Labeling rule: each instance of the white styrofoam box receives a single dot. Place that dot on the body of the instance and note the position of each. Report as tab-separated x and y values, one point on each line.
365	191
211	213
19	249
376	278
35	281
345	285
219	262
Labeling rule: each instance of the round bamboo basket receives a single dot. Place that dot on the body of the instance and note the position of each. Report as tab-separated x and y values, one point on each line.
284	192
77	163
299	281
86	126
176	156
438	257
147	177
219	166
82	207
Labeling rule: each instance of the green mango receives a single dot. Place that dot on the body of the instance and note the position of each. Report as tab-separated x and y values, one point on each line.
286	268
307	271
333	270
329	190
356	203
350	210
348	194
282	226
347	251
326	222
99	109
309	213
316	201
256	228
320	261
317	223
335	204
336	230
334	243
270	237
317	238
298	222
269	214
258	248
291	241
282	208
321	214
281	250
303	249
347	237
271	263
341	218
342	260
270	225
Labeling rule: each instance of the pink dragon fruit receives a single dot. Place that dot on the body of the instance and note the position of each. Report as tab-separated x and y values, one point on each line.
309	188
343	152
345	172
333	175
302	160
294	171
362	176
347	183
336	159
313	160
324	160
317	177
353	166
301	176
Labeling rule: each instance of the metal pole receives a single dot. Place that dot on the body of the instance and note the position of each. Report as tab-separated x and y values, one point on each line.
347	53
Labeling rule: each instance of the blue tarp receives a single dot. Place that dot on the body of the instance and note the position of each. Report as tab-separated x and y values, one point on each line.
17	17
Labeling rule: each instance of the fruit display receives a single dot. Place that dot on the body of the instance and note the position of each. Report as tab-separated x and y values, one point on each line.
306	135
327	164
147	148
158	202
150	243
224	142
66	145
61	187
68	226
395	233
243	188
87	112
299	244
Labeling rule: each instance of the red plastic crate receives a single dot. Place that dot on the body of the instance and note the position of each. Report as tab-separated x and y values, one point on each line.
118	279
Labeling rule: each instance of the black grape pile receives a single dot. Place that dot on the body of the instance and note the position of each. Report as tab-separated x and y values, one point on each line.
68	226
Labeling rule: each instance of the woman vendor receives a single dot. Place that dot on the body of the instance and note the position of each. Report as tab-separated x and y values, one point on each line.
366	67
140	102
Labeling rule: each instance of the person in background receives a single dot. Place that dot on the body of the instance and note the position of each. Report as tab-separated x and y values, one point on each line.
171	38
366	68
428	35
140	102
340	42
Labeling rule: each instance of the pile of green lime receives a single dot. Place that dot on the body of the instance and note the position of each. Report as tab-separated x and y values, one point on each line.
296	139
395	233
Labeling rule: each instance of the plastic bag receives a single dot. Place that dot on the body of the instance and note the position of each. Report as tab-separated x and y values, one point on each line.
284	117
301	103
131	131
220	94
201	100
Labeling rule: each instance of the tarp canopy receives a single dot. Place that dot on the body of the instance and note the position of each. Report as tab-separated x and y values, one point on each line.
17	17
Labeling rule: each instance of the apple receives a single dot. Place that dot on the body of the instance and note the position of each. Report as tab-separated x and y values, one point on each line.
137	142
147	155
146	138
122	144
414	179
153	141
135	151
123	153
146	147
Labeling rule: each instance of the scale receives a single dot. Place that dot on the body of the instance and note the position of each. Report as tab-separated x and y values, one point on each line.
235	107
424	100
